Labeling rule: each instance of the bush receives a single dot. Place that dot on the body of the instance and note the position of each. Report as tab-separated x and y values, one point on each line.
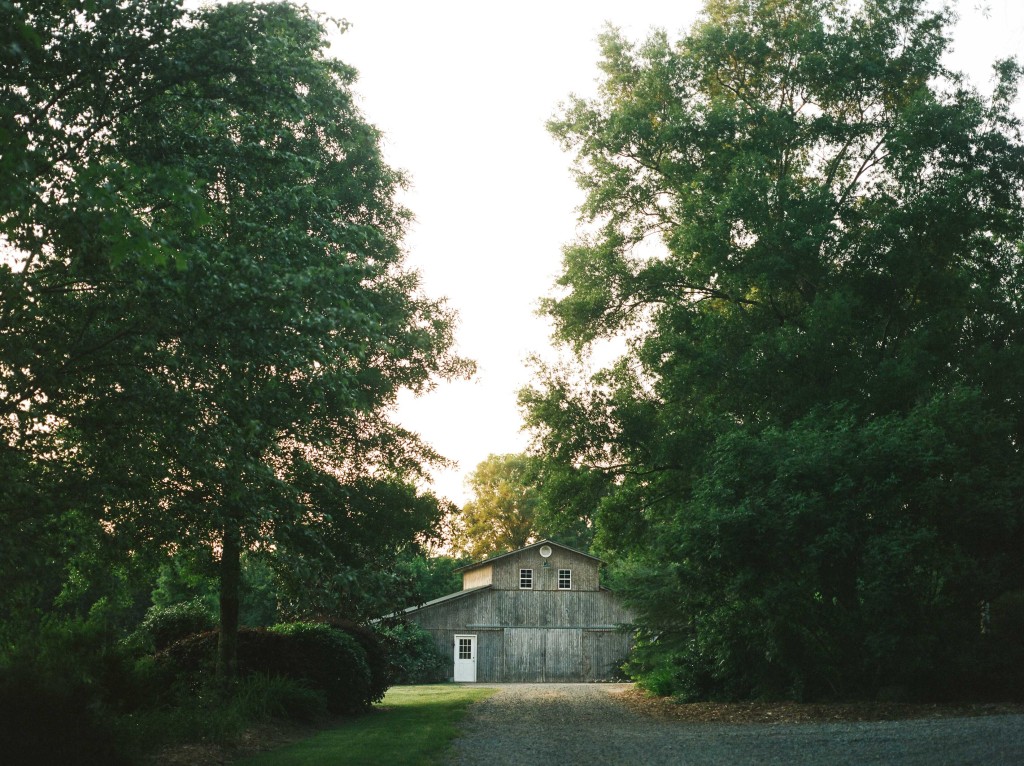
209	713
377	656
267	698
44	721
163	625
414	657
330	661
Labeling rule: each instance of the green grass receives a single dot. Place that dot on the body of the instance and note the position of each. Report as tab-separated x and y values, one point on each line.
413	726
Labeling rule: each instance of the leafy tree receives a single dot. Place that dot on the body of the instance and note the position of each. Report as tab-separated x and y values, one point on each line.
69	74
427	577
226	390
502	514
810	453
519	499
295	324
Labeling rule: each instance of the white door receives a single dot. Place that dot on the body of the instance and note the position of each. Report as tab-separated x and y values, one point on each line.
465	659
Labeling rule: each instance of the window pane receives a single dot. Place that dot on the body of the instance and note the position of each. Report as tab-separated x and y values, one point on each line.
525	578
564	579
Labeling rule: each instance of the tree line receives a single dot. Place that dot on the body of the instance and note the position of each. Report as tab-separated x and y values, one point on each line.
808	464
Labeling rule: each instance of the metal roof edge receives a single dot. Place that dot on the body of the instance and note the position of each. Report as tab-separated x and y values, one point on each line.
492	559
450	597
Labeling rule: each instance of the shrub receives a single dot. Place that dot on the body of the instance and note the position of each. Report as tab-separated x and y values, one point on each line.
82	654
163	625
44	721
266	698
377	656
414	657
330	661
208	713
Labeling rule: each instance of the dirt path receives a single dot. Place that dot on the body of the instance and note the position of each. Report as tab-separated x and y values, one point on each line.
565	724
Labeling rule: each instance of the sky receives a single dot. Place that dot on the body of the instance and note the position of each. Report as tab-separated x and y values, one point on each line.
461	92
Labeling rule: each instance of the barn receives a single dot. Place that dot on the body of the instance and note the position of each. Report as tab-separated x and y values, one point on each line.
535	614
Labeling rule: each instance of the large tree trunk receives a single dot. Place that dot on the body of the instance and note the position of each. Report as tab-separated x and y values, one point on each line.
230	578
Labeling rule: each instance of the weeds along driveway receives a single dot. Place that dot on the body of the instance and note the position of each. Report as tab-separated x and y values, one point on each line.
565	724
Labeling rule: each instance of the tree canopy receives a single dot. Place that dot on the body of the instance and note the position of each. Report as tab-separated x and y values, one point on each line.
518	499
214	366
808	230
501	517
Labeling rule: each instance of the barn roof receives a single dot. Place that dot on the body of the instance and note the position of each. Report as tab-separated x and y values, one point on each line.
449	597
537	544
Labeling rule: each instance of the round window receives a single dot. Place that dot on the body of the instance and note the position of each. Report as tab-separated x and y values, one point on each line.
545	550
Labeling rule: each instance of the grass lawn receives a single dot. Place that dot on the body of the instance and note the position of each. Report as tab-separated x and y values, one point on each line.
411	727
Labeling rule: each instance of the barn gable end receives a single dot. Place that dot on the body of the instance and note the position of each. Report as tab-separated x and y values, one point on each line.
554	624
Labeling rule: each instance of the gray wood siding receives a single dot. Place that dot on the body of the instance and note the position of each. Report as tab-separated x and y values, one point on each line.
563	654
476	577
524	654
533	635
603	653
537	655
584	570
524	609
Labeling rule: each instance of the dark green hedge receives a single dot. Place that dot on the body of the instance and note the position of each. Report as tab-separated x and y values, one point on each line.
45	721
414	657
327	659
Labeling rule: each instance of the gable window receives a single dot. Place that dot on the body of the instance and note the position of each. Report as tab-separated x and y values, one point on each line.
564	579
525	579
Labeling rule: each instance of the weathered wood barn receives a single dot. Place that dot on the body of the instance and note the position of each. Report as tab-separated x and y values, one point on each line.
536	614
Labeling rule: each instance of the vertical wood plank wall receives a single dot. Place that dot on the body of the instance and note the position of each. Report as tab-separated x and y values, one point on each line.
534	636
476	577
584	570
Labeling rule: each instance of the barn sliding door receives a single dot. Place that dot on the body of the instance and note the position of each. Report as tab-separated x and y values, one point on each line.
524	655
543	654
563	655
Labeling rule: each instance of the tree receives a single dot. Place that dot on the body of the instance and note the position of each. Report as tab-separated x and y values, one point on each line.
70	72
501	515
247	369
295	324
811	450
518	499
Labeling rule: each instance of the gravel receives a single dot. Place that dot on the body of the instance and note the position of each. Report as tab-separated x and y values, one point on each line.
564	724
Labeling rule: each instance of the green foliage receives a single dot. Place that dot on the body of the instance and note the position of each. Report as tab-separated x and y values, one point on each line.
87	657
501	515
806	465
328	660
271	698
188	576
413	654
376	653
205	312
163	626
518	499
428	577
331	660
43	720
207	713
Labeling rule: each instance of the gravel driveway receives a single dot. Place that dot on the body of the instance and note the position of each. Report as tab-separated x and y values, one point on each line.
565	724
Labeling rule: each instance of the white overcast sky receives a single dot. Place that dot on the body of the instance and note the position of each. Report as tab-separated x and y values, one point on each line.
461	91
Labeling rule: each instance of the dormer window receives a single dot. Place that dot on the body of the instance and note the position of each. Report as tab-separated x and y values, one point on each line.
565	579
525	579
